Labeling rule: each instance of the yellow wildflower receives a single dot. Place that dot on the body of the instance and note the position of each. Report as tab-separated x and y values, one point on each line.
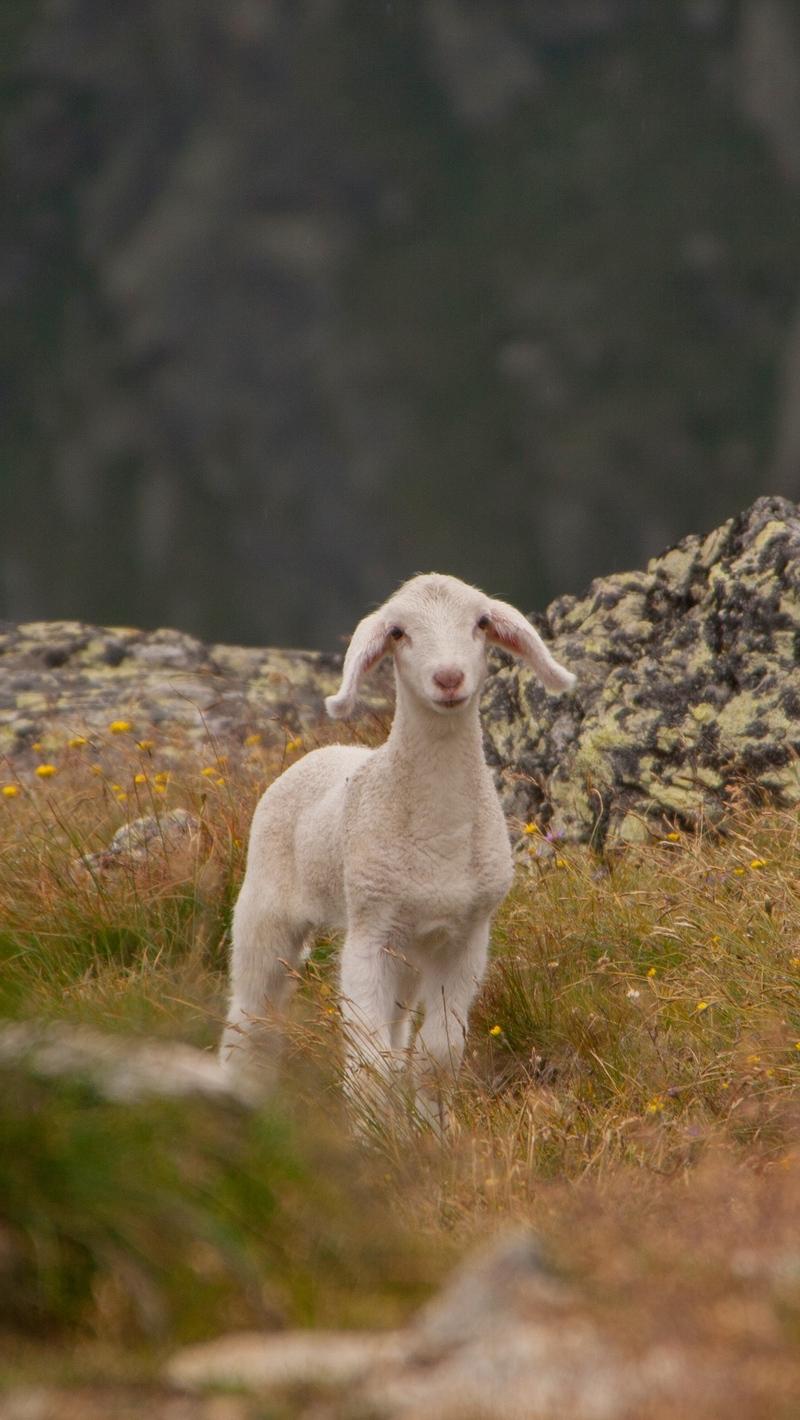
145	744
294	744
797	1045
209	771
160	788
561	862
651	971
254	739
120	727
140	778
10	791
121	796
77	742
220	783
738	872
753	1060
496	1030
531	828
37	746
162	776
756	863
671	837
655	1105
795	962
46	771
701	1006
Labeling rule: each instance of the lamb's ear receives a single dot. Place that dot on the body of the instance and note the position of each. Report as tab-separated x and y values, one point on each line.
369	643
511	630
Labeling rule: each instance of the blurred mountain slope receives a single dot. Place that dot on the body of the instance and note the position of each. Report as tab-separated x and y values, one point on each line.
316	295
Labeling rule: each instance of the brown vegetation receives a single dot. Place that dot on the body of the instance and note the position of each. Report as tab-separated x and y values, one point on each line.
630	1090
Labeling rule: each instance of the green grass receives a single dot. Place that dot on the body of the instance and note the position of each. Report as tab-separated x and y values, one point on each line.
634	1055
163	1219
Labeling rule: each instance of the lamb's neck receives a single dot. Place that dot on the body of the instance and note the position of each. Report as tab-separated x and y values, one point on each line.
438	760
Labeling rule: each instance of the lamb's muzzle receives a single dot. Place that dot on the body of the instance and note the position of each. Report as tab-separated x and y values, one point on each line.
404	848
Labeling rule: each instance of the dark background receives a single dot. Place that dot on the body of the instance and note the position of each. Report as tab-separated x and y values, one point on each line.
301	297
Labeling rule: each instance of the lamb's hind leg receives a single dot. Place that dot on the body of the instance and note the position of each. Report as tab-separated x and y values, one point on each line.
265	954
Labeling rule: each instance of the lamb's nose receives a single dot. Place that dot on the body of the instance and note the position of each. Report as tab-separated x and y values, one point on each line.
449	678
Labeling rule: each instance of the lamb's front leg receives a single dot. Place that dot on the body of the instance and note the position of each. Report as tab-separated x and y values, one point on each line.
378	985
448	989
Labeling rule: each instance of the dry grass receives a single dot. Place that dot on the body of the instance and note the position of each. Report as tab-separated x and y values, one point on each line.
630	1084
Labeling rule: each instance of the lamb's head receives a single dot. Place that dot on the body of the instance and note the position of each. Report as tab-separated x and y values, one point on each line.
437	629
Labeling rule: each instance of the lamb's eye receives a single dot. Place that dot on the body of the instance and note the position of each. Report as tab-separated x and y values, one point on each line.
483	623
397	633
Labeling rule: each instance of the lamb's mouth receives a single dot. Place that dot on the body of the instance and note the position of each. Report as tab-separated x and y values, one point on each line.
452	702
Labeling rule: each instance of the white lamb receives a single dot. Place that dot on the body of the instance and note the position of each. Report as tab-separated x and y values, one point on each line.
404	848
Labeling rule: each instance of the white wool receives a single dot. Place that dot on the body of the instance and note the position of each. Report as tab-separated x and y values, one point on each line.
404	848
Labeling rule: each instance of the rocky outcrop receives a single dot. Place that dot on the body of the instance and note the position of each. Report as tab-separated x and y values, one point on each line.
60	680
688	684
505	1338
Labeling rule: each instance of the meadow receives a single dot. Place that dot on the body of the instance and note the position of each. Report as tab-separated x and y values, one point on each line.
630	1088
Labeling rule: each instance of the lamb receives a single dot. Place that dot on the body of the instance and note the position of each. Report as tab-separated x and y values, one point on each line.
405	848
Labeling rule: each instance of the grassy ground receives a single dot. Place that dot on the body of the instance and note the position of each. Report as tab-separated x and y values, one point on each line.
630	1088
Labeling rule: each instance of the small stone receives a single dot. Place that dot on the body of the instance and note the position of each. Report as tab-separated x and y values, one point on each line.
154	836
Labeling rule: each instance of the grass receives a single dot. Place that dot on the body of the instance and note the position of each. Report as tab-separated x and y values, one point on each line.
630	1085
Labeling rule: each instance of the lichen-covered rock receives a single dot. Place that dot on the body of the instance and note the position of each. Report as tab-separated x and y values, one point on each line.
688	682
64	679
